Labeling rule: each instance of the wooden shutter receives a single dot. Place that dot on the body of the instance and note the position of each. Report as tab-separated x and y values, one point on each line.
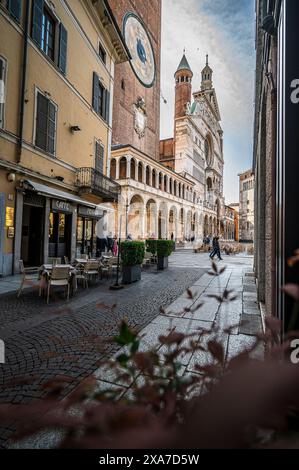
99	157
51	128
95	94
107	106
37	20
62	48
41	122
14	8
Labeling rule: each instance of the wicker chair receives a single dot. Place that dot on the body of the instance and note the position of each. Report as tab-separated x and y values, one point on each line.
60	277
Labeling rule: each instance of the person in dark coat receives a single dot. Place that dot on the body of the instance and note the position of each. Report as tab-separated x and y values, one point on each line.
216	249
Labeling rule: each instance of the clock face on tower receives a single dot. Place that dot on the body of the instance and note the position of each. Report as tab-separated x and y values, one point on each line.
141	50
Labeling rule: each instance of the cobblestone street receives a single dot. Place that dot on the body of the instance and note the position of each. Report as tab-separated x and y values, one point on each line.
46	342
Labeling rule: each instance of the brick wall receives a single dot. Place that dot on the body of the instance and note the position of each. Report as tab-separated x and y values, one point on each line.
124	99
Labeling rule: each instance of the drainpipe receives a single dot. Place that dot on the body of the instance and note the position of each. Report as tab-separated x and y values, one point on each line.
23	82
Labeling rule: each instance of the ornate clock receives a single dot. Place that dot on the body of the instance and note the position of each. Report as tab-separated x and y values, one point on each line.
141	50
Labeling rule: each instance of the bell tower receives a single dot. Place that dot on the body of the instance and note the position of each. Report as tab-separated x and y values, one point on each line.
183	87
207	76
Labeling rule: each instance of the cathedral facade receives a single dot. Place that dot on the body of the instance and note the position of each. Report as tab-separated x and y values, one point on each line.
174	188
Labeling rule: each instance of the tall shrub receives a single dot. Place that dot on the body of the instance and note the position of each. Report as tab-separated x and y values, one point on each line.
132	253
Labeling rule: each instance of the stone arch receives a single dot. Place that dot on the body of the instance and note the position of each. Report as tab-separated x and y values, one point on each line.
162	221
151	218
173	222
136	217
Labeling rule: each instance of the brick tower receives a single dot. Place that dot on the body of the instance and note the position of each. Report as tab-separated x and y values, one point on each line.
136	111
183	87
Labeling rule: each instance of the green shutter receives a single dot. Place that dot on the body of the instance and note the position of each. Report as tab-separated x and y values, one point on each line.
51	128
41	122
37	20
95	94
99	157
107	106
14	8
62	48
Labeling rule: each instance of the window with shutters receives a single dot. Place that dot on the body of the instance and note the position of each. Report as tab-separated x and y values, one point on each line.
99	156
2	89
49	34
101	98
46	115
15	9
102	53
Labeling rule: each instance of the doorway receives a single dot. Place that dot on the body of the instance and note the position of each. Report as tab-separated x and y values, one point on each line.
32	235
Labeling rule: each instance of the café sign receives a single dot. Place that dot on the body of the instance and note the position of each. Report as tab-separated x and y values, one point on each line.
62	206
93	212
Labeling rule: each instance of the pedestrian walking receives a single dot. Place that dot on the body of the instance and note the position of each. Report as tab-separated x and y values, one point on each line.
115	246
216	249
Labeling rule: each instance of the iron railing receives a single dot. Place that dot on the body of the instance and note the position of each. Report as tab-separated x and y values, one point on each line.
90	180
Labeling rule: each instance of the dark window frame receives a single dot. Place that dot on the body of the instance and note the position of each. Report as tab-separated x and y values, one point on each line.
102	53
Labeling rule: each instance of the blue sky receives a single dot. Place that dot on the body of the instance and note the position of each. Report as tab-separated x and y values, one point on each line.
224	29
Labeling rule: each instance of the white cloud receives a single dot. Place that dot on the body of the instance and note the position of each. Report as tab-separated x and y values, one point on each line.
227	35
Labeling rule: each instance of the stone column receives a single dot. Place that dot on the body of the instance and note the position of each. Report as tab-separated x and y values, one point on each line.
128	174
117	169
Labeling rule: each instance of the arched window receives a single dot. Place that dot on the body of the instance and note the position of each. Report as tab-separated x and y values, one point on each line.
148	171
123	168
140	172
133	169
113	169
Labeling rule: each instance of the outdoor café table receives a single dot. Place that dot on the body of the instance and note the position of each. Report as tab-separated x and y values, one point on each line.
84	261
46	269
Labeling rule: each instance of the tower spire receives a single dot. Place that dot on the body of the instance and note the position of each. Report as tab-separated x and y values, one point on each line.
207	76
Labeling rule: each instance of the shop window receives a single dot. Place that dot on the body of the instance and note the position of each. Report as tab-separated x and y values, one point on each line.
2	90
46	114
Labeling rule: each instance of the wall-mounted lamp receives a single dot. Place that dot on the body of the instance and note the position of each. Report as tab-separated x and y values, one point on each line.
11	177
75	129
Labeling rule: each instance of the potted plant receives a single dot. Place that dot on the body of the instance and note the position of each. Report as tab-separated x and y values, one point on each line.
132	255
164	250
151	246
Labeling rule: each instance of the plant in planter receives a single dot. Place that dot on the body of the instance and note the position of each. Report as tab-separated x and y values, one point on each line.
132	255
151	246
164	250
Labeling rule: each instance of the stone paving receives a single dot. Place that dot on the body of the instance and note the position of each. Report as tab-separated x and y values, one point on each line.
45	342
69	340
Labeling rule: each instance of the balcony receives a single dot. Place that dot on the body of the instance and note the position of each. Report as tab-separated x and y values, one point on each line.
91	181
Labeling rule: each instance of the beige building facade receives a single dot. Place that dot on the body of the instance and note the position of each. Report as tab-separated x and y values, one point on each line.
57	77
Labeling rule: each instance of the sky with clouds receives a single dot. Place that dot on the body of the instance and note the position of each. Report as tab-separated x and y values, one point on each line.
224	29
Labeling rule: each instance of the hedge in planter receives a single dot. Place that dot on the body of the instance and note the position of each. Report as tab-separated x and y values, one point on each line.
151	246
164	249
132	255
